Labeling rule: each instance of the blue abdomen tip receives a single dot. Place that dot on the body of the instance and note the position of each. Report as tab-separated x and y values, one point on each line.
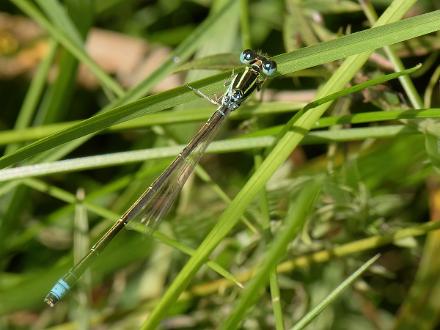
60	289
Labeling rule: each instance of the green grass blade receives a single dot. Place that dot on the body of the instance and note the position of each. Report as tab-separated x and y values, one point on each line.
333	295
430	89
229	145
244	25
61	20
273	280
359	87
377	116
364	41
33	94
221	61
293	223
81	245
59	94
276	301
161	118
358	118
406	81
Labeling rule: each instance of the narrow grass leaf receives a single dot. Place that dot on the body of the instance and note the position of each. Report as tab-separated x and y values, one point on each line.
325	6
359	87
58	97
58	16
333	295
358	118
221	146
435	78
244	25
148	120
33	94
211	62
81	244
276	301
406	81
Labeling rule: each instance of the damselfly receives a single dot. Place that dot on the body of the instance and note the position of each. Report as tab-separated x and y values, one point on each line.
154	203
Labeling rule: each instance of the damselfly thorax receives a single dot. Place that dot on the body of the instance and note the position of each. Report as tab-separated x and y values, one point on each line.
244	84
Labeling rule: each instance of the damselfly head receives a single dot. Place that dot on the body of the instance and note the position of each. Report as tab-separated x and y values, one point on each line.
258	62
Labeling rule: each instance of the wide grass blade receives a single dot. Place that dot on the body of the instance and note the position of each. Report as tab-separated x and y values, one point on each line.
368	40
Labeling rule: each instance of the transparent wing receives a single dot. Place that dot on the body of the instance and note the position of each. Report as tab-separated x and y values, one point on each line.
157	200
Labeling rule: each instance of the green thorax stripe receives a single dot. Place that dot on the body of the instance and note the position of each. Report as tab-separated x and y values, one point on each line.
247	81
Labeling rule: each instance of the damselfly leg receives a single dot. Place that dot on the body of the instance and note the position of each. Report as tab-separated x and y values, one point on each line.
215	101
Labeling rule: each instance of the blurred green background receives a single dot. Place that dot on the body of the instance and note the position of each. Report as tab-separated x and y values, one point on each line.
378	176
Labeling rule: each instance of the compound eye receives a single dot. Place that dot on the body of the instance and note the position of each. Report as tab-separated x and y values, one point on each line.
269	67
247	56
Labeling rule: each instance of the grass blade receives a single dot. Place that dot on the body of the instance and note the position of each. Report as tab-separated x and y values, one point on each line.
293	223
361	86
333	295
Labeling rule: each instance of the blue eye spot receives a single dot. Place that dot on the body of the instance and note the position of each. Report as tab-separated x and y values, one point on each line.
269	67
247	56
